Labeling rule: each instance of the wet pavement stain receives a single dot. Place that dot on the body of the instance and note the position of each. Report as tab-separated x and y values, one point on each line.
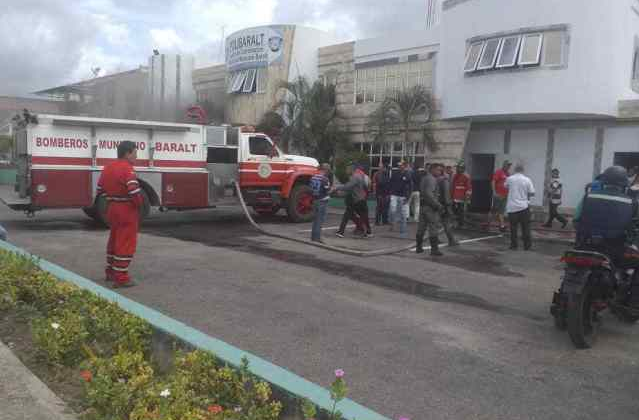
243	240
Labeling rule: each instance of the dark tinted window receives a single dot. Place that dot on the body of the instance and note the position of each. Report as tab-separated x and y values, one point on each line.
221	155
260	146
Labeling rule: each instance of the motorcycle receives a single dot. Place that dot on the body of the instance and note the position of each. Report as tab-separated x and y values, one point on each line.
593	282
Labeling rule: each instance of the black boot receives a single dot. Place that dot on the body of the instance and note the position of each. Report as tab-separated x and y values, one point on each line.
420	245
434	247
451	241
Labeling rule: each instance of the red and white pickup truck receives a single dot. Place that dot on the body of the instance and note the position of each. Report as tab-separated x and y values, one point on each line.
180	166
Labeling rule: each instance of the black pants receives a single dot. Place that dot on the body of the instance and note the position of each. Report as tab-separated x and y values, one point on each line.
553	213
460	212
381	212
361	208
516	219
350	214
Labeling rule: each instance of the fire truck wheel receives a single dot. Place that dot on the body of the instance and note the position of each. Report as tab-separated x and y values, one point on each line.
300	204
101	206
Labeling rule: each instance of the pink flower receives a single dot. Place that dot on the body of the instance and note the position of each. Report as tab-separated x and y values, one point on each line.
339	373
404	418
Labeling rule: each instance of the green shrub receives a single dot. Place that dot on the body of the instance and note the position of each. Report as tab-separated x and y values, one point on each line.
61	337
115	384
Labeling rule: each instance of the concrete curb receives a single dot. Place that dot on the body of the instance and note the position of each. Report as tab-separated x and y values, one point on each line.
26	396
269	372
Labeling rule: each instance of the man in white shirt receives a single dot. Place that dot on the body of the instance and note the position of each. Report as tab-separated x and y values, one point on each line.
520	190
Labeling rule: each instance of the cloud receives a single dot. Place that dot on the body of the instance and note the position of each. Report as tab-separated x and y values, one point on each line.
166	39
50	42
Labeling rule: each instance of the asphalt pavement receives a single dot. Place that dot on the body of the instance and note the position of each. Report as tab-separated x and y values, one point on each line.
467	336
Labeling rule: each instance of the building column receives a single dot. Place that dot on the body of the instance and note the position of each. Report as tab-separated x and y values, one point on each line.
550	157
599	142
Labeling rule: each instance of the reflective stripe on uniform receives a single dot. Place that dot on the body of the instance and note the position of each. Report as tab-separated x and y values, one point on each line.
133	181
135	191
118	199
611	198
122	258
120	269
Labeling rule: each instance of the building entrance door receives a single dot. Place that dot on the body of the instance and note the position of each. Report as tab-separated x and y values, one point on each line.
481	176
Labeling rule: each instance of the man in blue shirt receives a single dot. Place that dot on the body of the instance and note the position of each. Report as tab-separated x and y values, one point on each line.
321	186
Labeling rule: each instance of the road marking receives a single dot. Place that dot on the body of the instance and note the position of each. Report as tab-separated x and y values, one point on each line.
326	228
466	241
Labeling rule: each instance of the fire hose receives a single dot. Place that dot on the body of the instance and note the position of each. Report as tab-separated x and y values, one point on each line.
341	250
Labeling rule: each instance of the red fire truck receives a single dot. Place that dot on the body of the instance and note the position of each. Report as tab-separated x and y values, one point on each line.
180	166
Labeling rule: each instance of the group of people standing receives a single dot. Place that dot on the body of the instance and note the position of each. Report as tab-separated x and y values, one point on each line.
433	196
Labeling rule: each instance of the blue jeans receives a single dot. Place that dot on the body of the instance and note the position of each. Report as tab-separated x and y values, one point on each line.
399	212
319	207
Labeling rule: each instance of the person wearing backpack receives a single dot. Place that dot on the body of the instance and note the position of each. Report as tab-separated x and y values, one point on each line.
321	186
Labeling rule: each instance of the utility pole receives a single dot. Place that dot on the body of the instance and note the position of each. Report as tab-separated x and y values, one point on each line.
222	42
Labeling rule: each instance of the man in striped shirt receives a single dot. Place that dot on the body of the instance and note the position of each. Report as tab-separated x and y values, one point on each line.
119	183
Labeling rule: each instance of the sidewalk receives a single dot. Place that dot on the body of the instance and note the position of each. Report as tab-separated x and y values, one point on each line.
23	396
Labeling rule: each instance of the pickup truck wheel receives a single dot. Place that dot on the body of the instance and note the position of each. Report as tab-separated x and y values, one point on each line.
101	204
300	204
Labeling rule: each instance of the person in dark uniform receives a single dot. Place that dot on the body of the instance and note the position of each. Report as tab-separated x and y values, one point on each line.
447	214
429	219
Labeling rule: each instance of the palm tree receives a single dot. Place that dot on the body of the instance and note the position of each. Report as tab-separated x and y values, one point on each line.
410	109
310	118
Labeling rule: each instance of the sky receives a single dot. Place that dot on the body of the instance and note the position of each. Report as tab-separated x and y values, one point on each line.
46	43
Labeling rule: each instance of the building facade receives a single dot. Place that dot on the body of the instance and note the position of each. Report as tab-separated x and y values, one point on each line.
546	83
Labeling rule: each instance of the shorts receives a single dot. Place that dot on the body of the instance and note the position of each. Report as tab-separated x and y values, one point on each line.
499	204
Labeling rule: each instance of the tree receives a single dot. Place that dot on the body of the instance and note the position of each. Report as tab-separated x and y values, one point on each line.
410	110
6	142
272	124
310	119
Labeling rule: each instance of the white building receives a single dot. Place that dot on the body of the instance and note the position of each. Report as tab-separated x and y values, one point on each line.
548	83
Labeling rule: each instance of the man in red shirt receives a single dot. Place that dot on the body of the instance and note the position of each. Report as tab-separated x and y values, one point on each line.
120	185
500	194
462	190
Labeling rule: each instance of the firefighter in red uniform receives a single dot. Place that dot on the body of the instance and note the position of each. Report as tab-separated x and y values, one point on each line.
462	190
120	185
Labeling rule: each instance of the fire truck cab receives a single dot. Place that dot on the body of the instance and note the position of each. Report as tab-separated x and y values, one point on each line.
180	166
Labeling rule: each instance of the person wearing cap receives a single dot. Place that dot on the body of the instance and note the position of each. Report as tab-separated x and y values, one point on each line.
500	194
321	186
555	190
462	190
401	187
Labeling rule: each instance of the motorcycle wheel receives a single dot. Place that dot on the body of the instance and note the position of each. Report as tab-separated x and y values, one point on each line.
582	319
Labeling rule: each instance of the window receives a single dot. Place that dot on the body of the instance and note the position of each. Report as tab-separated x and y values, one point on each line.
553	49
221	155
530	49
231	82
239	81
508	52
472	57
489	54
260	146
249	84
